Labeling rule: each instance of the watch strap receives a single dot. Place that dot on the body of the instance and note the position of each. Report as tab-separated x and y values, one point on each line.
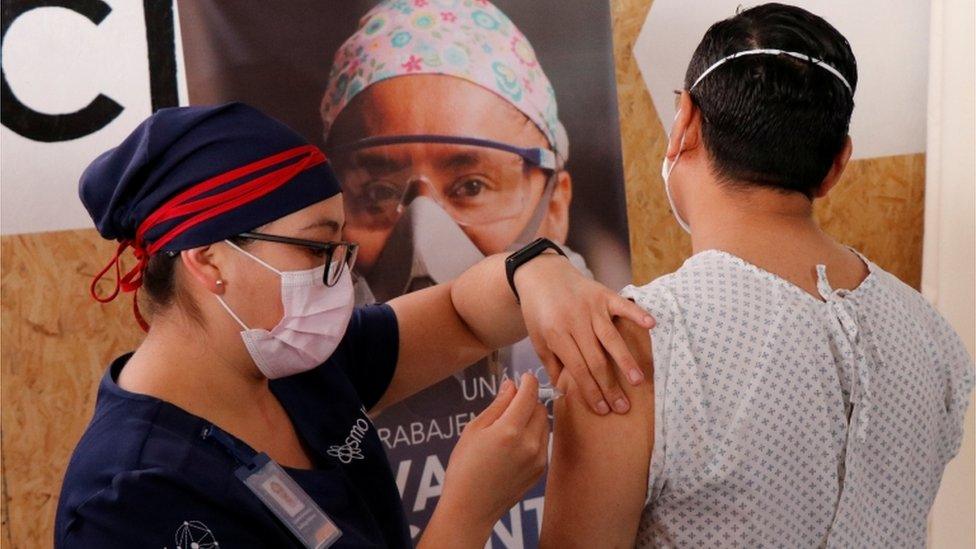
523	256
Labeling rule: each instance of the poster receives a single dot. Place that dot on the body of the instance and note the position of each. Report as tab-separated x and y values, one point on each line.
458	129
421	226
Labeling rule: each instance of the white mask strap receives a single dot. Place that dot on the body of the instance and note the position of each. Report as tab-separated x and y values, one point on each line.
766	51
252	256
666	168
227	308
255	258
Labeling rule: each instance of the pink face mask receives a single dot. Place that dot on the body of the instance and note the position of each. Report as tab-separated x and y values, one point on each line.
314	321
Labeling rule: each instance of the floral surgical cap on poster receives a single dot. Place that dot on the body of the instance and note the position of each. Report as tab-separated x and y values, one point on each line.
468	39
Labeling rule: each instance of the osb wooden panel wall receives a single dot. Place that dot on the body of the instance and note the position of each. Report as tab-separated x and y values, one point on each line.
56	342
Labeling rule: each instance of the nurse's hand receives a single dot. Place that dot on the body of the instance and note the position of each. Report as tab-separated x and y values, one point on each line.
569	318
499	456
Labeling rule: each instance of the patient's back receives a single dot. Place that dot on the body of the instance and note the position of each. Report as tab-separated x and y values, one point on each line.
787	420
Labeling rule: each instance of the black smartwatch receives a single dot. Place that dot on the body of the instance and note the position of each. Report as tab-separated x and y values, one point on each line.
525	255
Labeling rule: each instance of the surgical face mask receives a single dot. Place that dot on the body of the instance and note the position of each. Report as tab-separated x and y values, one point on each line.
314	321
667	166
427	247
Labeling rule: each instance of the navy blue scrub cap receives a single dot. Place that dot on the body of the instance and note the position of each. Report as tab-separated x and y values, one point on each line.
192	176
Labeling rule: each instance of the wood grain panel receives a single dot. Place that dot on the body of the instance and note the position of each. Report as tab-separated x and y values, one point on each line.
56	344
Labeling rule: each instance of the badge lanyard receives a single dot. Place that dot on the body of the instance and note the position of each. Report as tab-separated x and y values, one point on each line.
279	493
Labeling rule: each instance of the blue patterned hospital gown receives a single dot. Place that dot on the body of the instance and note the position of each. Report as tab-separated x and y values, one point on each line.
783	420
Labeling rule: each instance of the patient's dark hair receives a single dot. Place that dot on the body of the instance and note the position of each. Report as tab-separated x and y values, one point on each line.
773	120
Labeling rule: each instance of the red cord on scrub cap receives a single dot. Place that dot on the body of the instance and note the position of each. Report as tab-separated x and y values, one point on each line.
191	176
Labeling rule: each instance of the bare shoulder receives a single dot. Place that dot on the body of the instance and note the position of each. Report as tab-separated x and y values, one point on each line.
600	464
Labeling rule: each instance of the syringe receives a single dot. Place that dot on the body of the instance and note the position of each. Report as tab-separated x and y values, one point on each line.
547	394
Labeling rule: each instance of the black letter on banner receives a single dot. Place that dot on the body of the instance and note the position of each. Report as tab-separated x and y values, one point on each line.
50	128
161	37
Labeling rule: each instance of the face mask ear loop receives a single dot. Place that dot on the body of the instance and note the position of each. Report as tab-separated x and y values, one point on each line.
254	257
667	184
229	311
681	148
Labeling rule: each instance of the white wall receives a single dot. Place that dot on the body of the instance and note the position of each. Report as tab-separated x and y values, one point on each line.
949	261
56	61
889	39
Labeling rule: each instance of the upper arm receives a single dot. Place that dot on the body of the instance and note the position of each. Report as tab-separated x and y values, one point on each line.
371	345
434	342
597	482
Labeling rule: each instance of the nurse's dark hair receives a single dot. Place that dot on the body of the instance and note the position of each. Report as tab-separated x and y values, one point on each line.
772	120
159	283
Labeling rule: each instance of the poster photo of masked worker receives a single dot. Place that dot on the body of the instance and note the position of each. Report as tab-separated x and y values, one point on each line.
458	129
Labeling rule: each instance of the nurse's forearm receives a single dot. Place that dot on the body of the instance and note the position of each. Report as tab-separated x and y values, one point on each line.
484	300
451	527
567	316
449	326
434	342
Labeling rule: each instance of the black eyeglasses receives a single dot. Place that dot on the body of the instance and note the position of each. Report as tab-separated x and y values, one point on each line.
339	255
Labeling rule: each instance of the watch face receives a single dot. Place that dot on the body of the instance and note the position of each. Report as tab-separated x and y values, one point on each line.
535	248
519	258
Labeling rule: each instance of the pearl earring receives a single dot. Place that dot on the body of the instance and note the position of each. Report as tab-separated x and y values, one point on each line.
220	282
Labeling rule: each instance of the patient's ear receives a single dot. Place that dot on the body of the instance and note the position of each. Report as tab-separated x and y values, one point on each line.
836	169
686	128
638	340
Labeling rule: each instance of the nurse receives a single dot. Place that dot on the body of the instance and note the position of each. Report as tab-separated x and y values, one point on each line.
242	420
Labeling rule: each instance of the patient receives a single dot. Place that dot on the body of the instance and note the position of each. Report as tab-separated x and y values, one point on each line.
802	396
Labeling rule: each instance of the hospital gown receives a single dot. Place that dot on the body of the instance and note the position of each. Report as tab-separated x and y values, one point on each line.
784	420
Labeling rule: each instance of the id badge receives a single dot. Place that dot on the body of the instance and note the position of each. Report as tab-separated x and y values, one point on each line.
289	502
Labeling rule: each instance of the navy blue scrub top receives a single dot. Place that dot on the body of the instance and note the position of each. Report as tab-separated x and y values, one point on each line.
144	475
